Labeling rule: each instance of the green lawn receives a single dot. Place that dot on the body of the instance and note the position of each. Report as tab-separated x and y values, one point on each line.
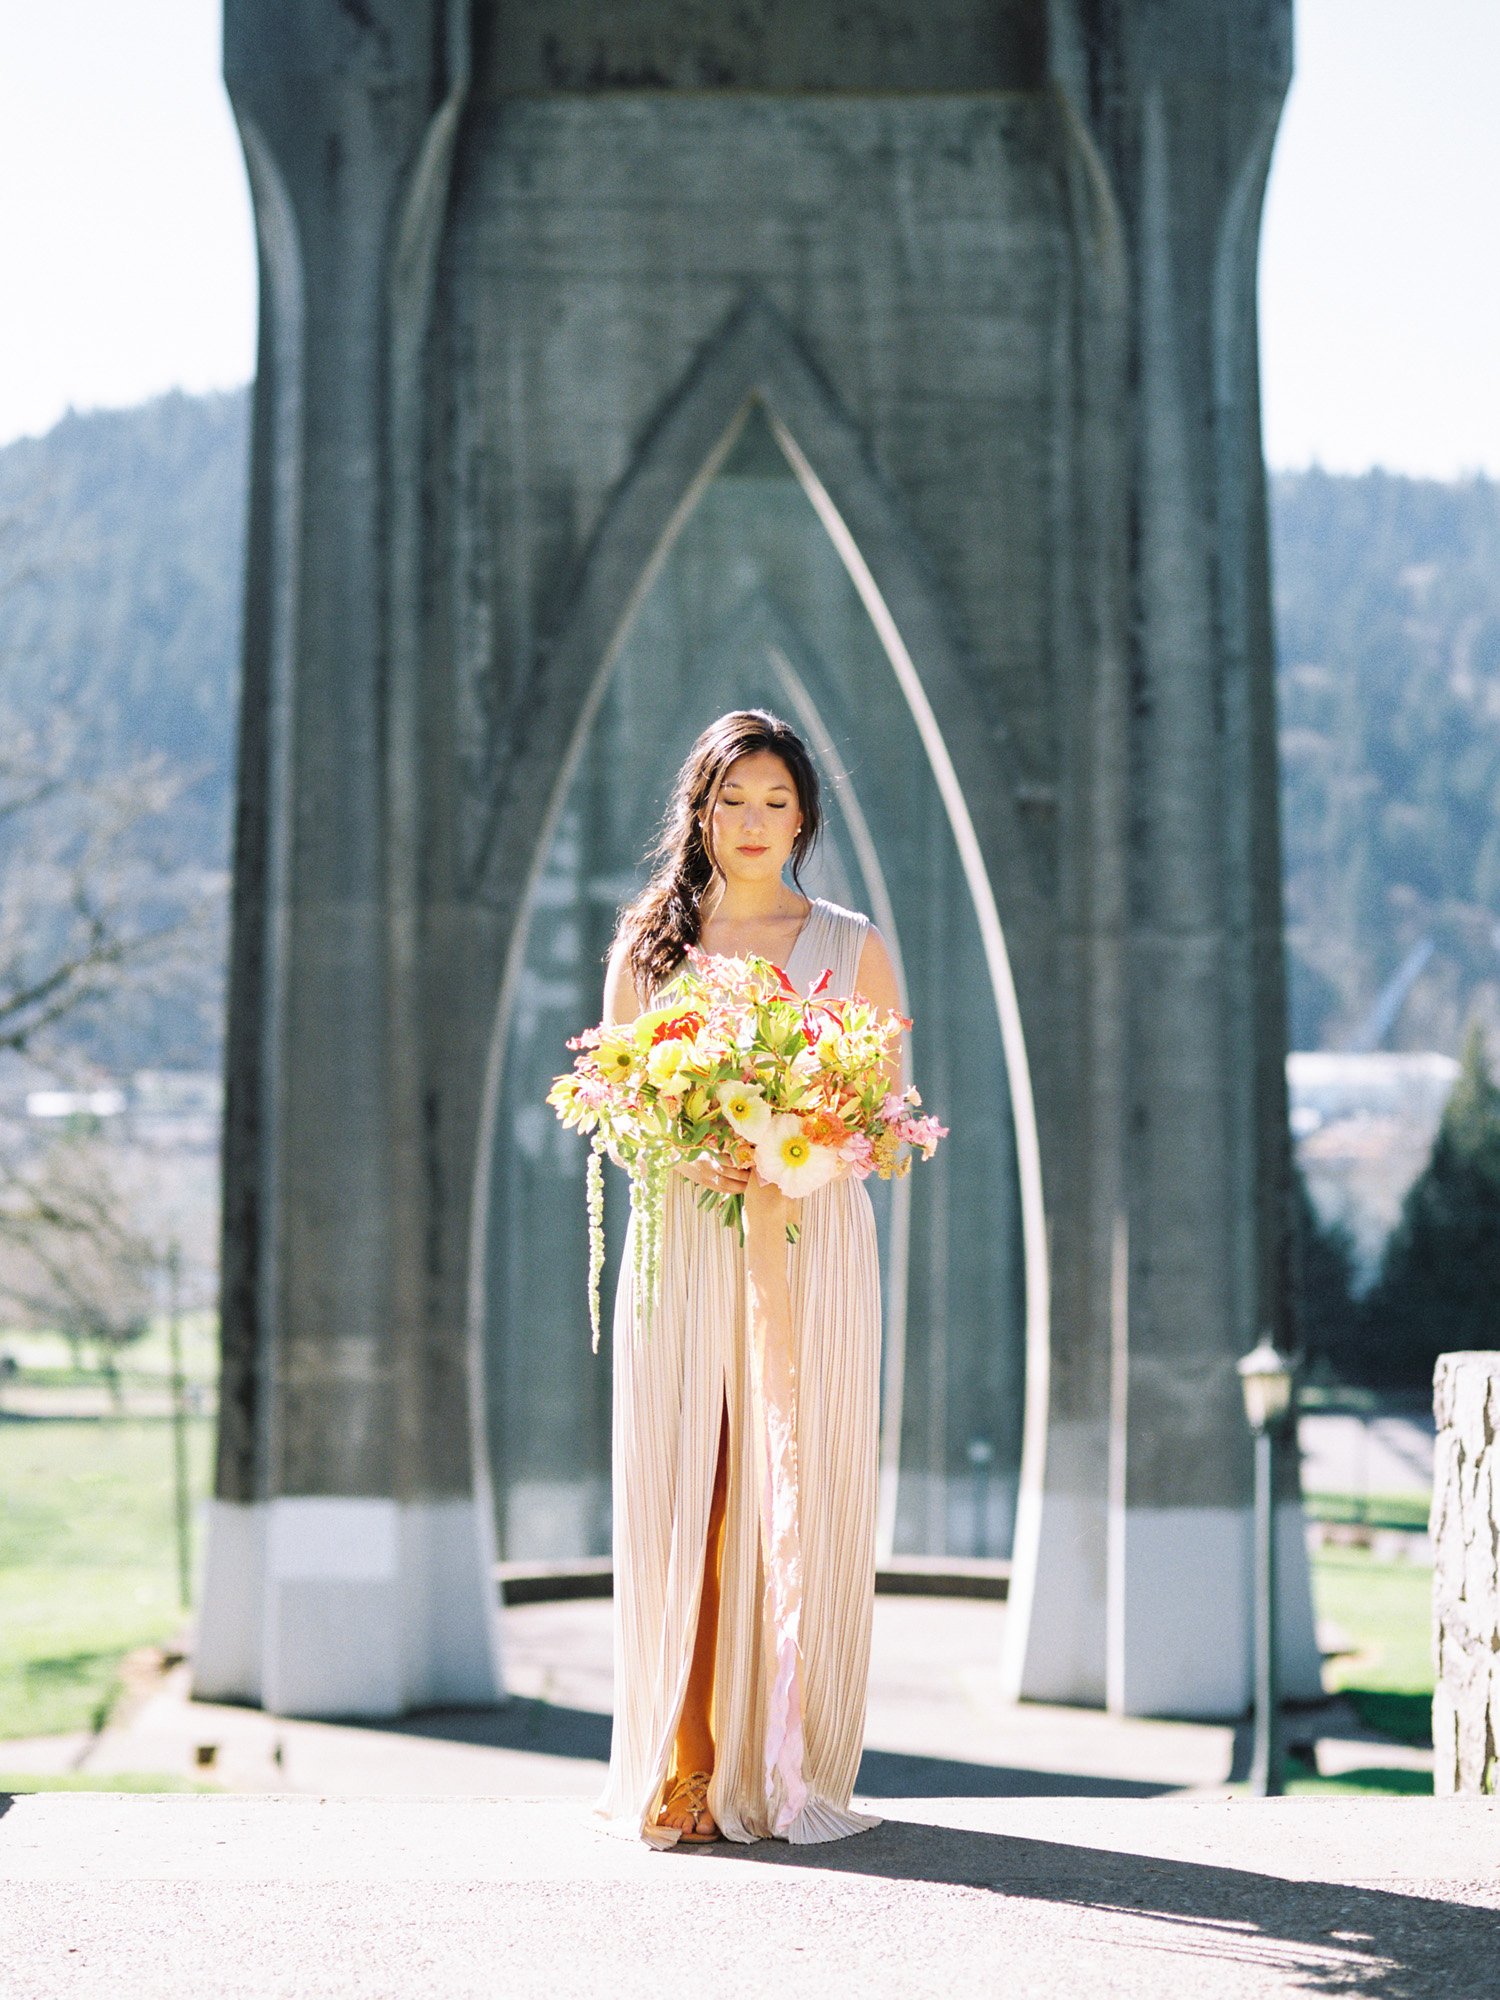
88	1567
1376	1781
14	1782
46	1360
1386	1610
1371	1510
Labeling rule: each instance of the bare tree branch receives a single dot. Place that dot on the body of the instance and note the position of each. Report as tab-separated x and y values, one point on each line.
85	905
99	917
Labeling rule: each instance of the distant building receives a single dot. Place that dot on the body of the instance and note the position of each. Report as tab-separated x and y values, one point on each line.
1363	1127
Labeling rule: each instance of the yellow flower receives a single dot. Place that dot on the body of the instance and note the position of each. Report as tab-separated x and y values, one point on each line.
745	1108
614	1059
664	1062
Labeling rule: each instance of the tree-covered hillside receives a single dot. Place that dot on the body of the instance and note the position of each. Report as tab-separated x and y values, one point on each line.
120	560
1388	629
120	571
121	537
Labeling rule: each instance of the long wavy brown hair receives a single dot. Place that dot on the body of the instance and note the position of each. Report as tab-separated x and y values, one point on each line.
658	927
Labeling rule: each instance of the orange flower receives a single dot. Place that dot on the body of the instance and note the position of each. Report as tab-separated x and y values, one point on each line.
823	1128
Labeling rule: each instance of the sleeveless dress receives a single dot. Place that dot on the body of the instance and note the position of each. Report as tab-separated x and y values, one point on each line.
671	1387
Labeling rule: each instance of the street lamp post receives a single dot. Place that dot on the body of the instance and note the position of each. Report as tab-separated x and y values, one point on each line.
1266	1382
179	1429
981	1452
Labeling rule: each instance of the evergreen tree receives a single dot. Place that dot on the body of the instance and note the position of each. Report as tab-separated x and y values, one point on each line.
1328	1317
1439	1284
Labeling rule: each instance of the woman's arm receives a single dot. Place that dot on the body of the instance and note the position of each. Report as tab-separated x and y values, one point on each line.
621	1001
876	982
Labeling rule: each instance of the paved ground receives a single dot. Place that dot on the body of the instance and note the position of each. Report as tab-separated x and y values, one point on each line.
1047	1899
1386	1452
937	1727
1025	1851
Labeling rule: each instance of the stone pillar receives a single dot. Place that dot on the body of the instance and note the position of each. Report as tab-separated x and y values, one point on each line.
1145	1509
350	1559
1466	1574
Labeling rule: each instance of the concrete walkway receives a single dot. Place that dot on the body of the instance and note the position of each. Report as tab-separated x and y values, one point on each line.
1025	1851
937	1726
1046	1899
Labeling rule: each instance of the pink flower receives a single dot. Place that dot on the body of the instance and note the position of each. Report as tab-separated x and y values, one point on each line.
858	1155
923	1133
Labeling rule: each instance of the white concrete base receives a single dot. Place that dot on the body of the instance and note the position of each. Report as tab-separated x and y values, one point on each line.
1148	1610
329	1606
1056	1653
1181	1636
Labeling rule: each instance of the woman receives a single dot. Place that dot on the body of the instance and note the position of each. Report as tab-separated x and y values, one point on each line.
688	1759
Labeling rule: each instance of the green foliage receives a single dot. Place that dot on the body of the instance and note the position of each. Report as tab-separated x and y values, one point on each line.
87	1562
1439	1283
121	553
1328	1318
1387	606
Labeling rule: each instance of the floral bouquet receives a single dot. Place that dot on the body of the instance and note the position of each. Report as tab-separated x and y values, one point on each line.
736	1063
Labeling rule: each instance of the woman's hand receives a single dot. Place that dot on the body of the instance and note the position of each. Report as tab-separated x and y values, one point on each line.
717	1173
876	982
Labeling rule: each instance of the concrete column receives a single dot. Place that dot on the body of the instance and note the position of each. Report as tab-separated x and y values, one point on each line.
1147	1493
1466	1573
349	1567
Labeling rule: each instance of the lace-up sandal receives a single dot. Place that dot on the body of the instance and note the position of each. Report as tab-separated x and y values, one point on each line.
690	1795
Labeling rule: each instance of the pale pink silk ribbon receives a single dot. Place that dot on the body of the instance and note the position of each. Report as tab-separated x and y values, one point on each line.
774	1390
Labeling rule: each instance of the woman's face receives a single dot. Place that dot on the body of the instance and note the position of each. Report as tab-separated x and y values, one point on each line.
755	819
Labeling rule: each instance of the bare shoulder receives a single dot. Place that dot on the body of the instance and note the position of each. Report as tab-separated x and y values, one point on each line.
621	1001
877	975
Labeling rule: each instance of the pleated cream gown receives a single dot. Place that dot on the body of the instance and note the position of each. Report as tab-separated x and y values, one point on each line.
671	1385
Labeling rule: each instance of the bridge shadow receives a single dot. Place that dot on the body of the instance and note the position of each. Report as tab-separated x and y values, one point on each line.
546	1729
1247	1929
1310	1937
895	1774
541	1728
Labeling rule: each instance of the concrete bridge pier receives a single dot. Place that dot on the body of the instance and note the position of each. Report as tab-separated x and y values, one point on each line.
350	1545
1138	1532
989	272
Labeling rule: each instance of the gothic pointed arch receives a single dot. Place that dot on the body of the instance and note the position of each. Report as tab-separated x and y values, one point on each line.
756	366
755	355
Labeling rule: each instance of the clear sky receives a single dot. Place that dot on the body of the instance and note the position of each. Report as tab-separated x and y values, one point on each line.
126	250
127	256
1380	257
